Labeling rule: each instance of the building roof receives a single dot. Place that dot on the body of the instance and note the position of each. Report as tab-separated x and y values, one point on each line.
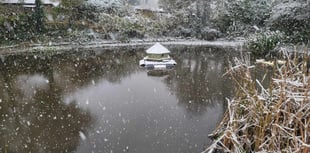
157	49
26	3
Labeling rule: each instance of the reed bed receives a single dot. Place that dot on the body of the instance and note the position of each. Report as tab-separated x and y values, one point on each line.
273	119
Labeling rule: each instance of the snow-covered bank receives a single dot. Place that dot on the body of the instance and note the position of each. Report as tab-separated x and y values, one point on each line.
66	46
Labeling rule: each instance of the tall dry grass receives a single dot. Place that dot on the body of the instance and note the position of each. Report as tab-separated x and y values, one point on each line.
275	119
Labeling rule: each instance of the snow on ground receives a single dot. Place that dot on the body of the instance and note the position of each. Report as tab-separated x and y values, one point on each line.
105	3
64	46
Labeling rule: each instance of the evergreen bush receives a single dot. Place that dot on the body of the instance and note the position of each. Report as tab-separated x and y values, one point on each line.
38	16
263	42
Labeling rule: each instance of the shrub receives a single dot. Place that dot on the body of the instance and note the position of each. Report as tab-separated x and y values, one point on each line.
17	28
262	43
293	18
235	16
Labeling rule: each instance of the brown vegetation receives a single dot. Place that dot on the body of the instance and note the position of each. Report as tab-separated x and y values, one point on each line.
275	119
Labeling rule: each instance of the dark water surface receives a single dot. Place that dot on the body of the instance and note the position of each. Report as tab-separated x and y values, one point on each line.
102	102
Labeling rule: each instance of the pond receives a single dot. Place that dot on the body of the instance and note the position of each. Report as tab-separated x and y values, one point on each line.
101	101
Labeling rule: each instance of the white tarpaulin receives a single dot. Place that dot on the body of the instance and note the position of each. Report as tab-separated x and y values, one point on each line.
157	49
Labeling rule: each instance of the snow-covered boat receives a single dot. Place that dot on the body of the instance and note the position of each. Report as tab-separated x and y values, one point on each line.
158	58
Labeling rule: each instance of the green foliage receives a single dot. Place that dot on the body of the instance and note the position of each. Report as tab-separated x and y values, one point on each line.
22	25
72	9
297	30
263	42
303	35
38	16
175	4
127	28
293	18
23	29
250	11
237	15
71	3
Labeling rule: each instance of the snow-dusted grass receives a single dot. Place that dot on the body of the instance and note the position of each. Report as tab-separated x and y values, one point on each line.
276	119
104	44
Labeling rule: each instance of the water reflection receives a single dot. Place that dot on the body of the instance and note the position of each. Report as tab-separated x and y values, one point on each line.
199	82
159	73
33	118
101	101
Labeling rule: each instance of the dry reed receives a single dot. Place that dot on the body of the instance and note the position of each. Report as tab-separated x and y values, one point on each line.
276	119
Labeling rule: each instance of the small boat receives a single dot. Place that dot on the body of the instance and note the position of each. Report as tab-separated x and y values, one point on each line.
158	58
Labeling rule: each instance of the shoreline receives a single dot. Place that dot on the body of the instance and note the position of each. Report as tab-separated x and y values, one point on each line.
110	44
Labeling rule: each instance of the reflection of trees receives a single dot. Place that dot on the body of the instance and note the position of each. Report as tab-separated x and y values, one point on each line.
111	65
198	81
43	122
